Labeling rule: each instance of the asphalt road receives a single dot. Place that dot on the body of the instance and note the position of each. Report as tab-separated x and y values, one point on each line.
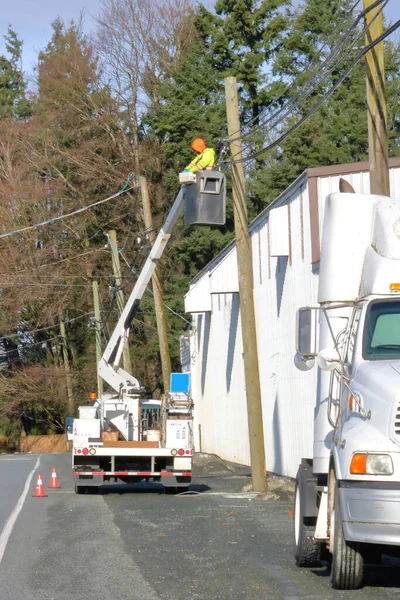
141	544
14	471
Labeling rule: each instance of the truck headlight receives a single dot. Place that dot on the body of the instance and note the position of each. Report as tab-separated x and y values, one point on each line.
363	463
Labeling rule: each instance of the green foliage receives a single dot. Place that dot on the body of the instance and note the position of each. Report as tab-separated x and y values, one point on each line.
13	101
191	105
337	133
243	37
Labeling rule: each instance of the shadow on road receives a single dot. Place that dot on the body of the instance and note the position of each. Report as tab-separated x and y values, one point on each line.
145	487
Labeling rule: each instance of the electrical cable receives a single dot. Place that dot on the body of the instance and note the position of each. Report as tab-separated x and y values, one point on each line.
171	310
75	212
132	269
22	332
327	94
50	264
353	25
323	72
33	284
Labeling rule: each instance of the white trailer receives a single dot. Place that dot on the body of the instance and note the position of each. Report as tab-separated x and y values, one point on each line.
124	436
347	499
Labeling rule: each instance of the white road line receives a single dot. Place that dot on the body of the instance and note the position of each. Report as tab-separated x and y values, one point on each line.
8	527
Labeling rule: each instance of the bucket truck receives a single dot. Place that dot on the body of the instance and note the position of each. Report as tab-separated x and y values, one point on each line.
124	436
347	495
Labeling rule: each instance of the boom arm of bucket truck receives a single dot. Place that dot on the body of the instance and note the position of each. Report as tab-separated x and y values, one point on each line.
108	367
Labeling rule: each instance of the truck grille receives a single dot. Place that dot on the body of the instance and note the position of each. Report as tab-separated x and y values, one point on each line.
397	421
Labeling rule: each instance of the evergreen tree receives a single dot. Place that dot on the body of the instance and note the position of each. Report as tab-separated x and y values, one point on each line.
243	37
338	132
13	101
191	104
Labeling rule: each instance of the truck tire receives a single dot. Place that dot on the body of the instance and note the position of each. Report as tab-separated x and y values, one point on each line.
347	569
307	551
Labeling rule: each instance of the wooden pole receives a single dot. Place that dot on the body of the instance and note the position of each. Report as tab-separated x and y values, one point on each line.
68	378
96	303
377	118
246	301
120	294
157	291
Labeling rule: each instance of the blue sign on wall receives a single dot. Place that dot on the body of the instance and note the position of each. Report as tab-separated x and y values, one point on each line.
180	382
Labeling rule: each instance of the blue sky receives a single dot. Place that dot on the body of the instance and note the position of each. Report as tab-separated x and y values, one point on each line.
32	19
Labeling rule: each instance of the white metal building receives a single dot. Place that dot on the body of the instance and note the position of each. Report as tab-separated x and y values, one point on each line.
286	250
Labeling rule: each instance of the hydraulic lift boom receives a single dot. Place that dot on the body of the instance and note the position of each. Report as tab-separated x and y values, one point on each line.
109	368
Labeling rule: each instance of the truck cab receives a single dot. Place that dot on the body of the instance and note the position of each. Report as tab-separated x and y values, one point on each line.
347	498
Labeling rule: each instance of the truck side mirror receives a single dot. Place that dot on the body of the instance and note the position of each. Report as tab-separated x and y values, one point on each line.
303	363
306	332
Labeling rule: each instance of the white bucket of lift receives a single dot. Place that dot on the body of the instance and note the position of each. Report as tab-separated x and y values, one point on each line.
153	435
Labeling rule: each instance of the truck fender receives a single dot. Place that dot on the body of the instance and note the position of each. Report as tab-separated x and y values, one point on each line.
335	462
307	481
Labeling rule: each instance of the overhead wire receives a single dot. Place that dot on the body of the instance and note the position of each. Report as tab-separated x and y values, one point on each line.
320	76
327	94
18	349
56	262
39	329
136	274
71	214
309	67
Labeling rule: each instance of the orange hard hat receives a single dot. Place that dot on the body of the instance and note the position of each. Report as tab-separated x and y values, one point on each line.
198	145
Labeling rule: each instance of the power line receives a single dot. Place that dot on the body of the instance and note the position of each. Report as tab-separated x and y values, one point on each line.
330	91
56	262
28	345
338	54
293	84
320	75
75	212
22	333
38	284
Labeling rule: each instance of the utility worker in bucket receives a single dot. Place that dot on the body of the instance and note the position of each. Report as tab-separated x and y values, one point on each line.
205	159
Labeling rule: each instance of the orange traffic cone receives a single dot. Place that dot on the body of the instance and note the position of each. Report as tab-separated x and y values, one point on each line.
54	480
39	491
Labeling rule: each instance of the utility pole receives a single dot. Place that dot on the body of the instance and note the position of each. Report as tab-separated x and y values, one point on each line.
157	290
120	294
377	118
96	303
71	403
246	300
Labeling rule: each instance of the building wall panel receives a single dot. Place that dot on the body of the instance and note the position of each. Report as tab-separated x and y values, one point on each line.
282	284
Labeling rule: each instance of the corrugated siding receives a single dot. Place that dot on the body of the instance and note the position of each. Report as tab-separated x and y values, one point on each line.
286	392
281	285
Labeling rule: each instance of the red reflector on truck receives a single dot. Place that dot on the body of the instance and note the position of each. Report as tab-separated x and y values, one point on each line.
181	452
85	451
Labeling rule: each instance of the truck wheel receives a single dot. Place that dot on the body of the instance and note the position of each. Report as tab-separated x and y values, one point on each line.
80	489
347	569
307	551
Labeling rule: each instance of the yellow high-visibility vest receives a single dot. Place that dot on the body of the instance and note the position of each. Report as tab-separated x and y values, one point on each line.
203	161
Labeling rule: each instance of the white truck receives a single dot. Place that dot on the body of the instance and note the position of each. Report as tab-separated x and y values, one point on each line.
124	436
347	498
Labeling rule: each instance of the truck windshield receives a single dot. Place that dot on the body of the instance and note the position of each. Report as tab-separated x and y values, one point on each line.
382	331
